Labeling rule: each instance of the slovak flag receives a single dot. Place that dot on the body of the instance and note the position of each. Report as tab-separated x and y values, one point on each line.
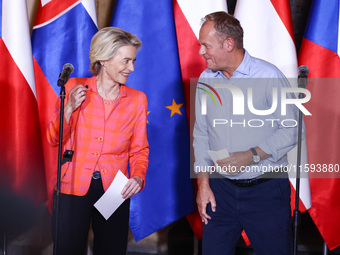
21	157
320	52
61	34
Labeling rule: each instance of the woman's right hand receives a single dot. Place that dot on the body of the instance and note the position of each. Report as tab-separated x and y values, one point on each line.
77	95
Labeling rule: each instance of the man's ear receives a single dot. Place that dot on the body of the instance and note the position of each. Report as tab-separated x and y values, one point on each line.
229	44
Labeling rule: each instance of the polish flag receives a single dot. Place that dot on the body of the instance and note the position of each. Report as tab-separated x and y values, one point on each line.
268	34
188	24
21	157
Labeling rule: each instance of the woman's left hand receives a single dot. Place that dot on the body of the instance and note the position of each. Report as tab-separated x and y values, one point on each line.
132	187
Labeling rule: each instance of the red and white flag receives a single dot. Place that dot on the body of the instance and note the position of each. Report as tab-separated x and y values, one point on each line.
188	24
268	34
21	157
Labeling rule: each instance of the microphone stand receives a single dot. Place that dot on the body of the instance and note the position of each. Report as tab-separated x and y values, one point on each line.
56	203
302	82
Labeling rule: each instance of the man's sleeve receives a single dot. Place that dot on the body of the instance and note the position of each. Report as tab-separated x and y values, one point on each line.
286	136
201	138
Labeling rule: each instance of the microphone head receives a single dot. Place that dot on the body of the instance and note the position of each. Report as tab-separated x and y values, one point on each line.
303	69
70	66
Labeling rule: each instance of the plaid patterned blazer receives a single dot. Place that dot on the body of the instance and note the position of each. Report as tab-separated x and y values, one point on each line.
99	144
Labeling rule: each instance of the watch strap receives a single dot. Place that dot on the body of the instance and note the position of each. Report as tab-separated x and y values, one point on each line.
254	151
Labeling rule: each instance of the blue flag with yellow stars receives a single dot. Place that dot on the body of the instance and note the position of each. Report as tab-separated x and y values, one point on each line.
168	193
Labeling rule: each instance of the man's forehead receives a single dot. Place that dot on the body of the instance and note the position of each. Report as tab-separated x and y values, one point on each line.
207	31
208	24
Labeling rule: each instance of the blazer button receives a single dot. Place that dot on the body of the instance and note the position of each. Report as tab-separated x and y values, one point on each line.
100	139
104	171
96	154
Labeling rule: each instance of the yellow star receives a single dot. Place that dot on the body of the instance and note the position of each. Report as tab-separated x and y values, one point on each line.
174	108
146	119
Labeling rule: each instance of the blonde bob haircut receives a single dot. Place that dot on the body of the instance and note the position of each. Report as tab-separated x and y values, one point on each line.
106	42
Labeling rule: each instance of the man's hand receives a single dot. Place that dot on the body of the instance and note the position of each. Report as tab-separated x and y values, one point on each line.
237	161
132	187
204	197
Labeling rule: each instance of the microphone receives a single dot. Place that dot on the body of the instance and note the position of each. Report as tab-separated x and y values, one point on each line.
65	74
302	76
303	71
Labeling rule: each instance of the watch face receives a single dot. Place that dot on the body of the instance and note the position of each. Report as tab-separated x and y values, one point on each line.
256	158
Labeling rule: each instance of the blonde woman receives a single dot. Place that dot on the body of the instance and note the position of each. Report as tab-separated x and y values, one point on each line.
105	126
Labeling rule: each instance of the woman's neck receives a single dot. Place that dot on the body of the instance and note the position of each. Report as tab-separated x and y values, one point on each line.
108	90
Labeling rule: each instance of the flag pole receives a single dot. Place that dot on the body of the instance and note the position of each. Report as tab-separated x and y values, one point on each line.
302	82
4	247
325	248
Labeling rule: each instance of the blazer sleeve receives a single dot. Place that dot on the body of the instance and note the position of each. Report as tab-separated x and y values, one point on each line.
53	126
139	146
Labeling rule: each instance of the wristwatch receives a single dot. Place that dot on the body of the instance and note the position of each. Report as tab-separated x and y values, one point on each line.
256	157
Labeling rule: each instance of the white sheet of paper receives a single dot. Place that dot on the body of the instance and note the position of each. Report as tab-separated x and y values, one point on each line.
217	155
112	199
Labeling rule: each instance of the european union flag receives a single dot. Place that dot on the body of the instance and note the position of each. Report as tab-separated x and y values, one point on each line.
168	193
